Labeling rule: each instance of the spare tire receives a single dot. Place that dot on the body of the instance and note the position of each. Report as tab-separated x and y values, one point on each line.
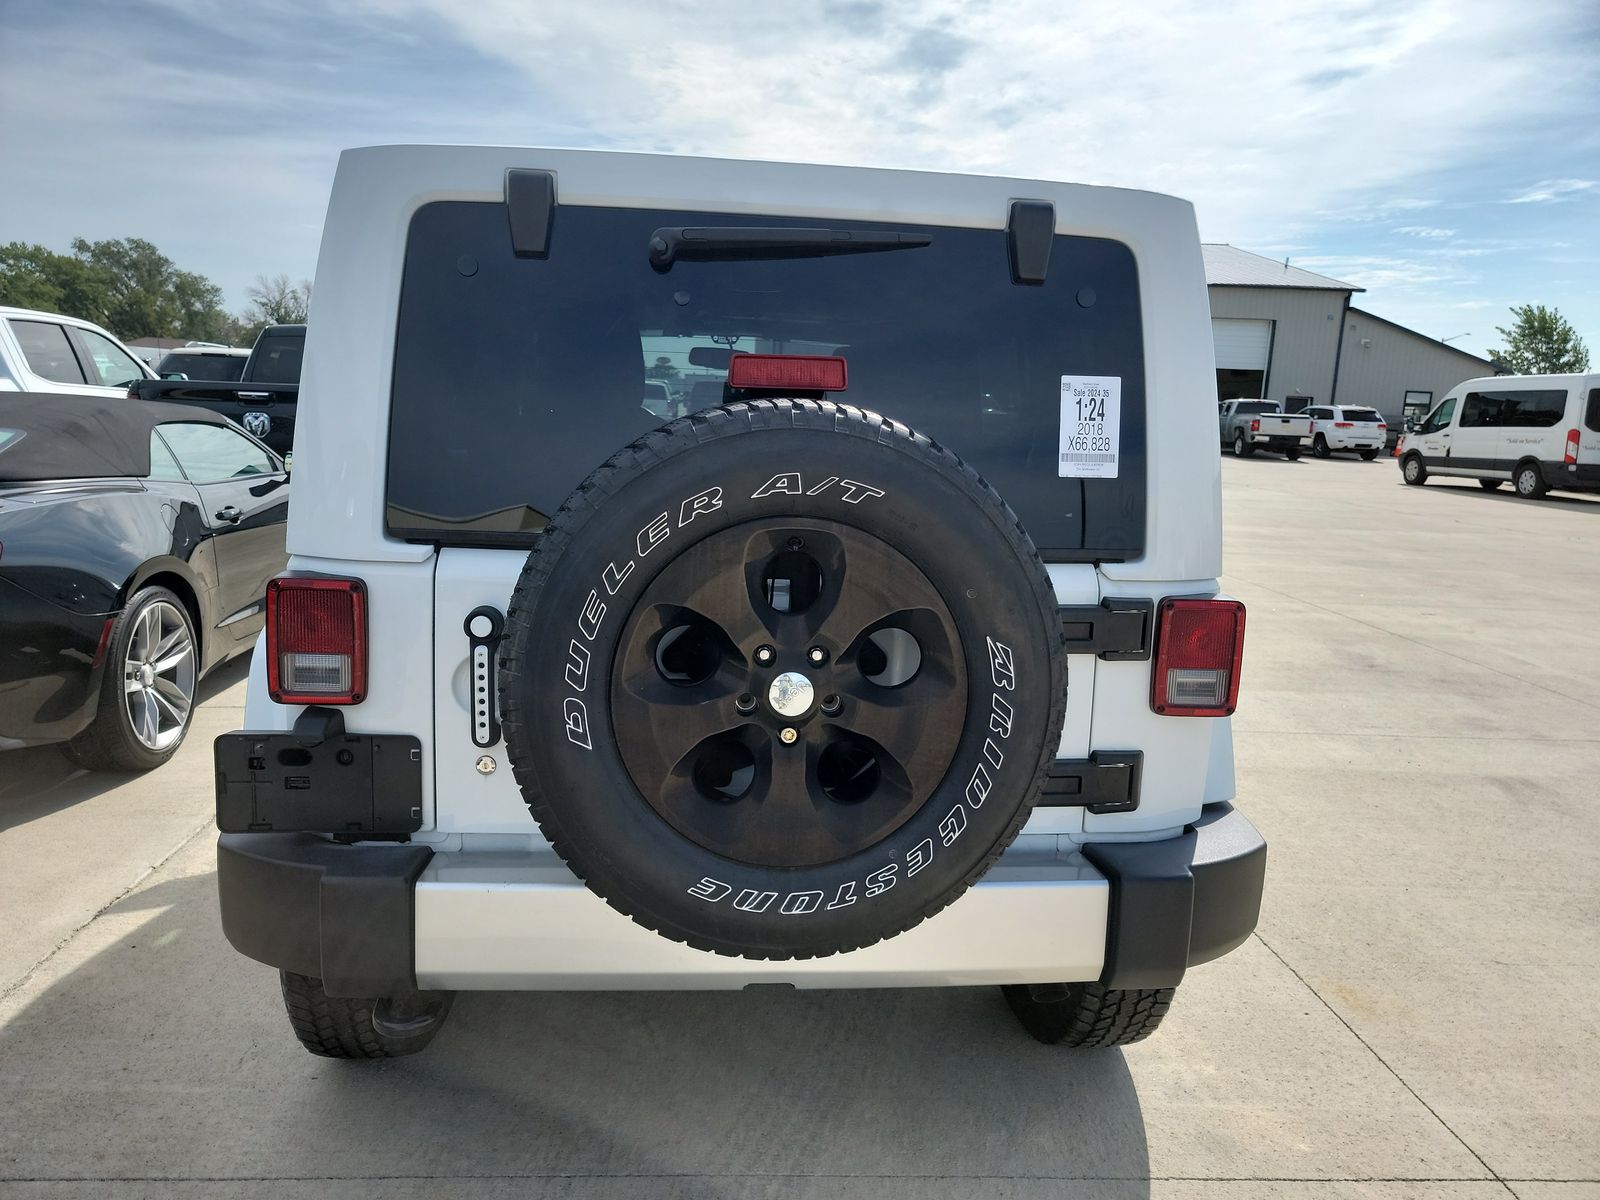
781	679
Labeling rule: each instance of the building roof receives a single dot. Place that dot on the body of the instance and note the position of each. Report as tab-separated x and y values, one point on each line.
1229	266
1494	367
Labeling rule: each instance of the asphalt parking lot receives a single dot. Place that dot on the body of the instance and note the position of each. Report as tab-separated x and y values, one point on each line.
1418	740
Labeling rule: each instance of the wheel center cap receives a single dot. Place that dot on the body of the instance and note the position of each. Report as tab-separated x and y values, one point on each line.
790	694
147	675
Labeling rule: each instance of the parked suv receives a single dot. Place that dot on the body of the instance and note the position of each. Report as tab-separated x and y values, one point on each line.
555	695
1347	427
1539	432
49	352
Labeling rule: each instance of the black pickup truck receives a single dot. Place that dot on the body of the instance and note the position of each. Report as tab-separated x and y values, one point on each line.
262	401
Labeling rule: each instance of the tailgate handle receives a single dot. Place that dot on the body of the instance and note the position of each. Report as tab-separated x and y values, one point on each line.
255	395
484	627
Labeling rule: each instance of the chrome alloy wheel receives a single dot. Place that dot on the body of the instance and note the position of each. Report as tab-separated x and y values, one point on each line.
158	676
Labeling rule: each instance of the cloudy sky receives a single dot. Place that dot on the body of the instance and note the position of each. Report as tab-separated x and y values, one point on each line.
1443	154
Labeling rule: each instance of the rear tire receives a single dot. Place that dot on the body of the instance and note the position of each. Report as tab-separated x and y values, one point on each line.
1087	1016
337	1027
1292	455
1529	482
1490	485
1242	448
1319	446
151	667
1368	455
1413	471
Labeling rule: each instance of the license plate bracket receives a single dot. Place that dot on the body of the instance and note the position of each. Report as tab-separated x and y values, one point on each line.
351	783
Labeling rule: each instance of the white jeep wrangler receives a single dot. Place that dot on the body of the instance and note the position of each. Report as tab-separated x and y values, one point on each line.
897	661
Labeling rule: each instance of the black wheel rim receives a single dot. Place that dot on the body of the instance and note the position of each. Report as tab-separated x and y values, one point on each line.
788	693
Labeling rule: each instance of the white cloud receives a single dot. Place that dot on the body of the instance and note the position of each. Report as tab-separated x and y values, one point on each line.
1425	231
1554	189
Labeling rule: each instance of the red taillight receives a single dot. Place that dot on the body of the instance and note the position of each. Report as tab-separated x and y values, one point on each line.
1255	425
1572	448
1344	424
1199	646
801	372
1383	425
316	640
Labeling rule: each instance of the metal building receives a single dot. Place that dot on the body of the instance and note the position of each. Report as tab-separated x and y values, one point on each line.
1399	371
1290	335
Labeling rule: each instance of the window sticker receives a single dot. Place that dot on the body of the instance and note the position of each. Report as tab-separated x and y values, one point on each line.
1091	426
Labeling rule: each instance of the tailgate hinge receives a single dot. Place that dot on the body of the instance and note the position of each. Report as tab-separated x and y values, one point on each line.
1106	782
1115	629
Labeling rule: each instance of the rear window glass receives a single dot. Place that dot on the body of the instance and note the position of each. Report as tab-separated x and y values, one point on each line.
217	368
277	359
1364	416
1256	409
515	378
1591	416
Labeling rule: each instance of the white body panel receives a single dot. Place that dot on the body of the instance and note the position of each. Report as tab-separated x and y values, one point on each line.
1341	432
496	908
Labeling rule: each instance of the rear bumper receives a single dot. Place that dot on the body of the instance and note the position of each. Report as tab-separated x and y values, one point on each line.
1574	477
372	920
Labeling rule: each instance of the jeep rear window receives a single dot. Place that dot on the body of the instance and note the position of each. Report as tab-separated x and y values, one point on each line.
515	377
1367	416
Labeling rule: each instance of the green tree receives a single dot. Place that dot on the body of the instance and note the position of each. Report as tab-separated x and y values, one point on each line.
1541	342
125	284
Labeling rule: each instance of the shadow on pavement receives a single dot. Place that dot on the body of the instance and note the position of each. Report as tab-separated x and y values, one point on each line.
717	1094
41	779
1445	486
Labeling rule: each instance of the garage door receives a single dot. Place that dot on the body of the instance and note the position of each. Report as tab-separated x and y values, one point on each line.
1242	345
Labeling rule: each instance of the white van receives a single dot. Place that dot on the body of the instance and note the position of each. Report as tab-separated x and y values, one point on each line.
1538	431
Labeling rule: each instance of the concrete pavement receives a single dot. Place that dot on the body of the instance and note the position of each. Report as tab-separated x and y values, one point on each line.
1418	740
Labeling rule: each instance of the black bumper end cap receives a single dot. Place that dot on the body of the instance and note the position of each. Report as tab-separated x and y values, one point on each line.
1182	901
343	914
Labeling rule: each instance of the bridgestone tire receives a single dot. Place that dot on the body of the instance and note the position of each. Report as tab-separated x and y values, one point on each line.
656	511
1087	1016
337	1027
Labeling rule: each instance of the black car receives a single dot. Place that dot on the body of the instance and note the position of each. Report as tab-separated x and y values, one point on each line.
136	541
262	399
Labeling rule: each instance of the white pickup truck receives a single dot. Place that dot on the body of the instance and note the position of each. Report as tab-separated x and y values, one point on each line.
1251	425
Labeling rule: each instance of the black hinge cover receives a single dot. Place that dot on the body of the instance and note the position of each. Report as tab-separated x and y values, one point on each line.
1107	782
530	202
1030	232
1117	629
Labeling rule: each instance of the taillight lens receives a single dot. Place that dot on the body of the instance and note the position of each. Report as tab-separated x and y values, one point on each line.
1255	425
316	640
1382	427
1199	646
1344	424
1571	455
802	372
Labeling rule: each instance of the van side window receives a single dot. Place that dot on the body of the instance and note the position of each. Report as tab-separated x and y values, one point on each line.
1479	411
1534	410
1591	416
1439	418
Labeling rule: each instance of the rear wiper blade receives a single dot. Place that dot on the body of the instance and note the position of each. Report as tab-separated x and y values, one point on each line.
748	242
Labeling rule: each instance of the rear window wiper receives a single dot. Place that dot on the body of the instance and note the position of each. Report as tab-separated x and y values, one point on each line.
747	242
